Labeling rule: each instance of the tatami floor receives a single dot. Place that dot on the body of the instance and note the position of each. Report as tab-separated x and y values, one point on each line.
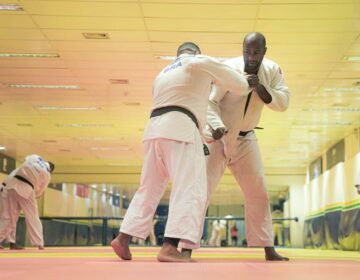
209	263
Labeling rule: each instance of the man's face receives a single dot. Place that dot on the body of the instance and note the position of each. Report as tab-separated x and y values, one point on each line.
253	52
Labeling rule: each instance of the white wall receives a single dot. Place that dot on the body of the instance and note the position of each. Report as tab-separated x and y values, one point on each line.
296	209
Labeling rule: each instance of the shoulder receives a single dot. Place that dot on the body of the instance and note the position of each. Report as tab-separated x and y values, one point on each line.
236	62
203	59
270	65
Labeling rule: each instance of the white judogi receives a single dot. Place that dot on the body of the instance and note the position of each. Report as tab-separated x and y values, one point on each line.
21	196
241	154
174	149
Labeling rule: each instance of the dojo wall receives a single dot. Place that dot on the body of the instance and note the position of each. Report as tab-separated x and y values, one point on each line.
332	206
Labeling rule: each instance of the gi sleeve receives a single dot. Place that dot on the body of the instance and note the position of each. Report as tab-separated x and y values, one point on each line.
213	112
279	91
42	185
222	75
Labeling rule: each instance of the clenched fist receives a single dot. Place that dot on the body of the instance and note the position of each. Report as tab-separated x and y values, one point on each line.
219	133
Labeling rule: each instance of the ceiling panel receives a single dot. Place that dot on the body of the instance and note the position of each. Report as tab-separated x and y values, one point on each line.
307	25
202	11
16	21
170	24
77	35
82	9
310	11
21	34
94	23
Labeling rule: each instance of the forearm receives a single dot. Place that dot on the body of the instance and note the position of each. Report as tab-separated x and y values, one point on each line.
263	94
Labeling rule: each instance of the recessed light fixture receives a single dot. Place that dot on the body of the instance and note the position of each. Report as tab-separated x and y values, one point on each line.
30	55
132	103
61	108
119	81
10	7
24	124
43	86
98	36
2	148
49	141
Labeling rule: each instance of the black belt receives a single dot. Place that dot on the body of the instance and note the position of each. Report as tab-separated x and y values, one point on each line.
167	109
4	185
244	133
21	178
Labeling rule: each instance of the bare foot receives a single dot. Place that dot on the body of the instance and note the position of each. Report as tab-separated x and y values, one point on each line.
186	252
169	253
41	247
120	246
271	255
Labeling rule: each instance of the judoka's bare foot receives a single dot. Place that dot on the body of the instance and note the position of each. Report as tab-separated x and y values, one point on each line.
14	246
271	255
169	253
41	247
120	246
186	252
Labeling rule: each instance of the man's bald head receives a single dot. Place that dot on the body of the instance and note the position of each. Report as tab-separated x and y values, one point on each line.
254	49
255	37
188	47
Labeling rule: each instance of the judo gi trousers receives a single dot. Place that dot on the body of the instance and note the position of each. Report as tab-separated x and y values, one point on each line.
244	162
5	219
33	224
184	164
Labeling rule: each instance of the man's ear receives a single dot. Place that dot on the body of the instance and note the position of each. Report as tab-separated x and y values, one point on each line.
265	50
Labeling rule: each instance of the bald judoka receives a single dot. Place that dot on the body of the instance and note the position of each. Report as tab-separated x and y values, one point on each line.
174	151
236	116
22	187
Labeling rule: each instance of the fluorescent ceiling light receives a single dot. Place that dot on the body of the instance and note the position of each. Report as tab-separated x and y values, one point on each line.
341	89
171	57
352	58
32	55
97	138
2	148
101	148
122	148
10	7
43	86
67	108
332	110
84	125
311	124
132	103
